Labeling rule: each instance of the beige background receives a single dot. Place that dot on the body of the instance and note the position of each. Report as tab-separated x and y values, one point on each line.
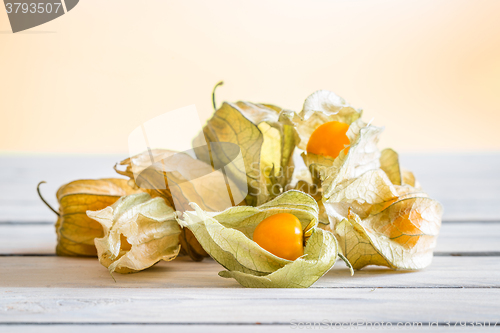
427	70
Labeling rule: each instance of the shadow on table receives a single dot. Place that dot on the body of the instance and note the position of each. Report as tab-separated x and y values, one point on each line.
68	272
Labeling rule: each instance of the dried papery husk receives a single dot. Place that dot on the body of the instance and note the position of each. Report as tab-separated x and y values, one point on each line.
319	108
382	216
75	230
167	174
139	231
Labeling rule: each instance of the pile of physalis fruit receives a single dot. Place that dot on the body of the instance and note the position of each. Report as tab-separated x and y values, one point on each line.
348	201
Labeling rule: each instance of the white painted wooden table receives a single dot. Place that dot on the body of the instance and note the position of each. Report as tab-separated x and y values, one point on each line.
40	292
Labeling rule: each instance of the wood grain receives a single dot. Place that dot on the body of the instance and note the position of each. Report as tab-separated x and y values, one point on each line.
245	306
226	328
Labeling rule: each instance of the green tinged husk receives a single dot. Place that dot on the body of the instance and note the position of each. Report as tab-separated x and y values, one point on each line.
266	143
227	237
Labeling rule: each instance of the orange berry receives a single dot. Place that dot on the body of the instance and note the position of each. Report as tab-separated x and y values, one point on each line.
281	234
124	244
329	139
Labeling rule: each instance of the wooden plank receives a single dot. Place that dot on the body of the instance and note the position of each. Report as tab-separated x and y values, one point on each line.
467	185
461	238
154	328
227	328
160	328
469	238
27	239
50	272
21	174
246	306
